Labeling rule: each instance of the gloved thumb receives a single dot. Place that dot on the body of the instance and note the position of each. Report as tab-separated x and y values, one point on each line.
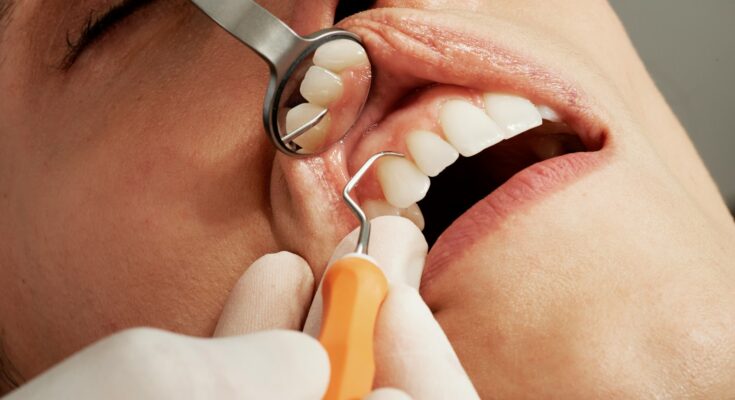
274	293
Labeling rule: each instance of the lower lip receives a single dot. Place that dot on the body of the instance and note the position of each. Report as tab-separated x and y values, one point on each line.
523	190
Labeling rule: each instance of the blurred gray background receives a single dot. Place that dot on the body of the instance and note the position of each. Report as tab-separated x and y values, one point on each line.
689	48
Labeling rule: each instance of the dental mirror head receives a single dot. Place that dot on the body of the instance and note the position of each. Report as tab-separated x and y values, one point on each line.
318	83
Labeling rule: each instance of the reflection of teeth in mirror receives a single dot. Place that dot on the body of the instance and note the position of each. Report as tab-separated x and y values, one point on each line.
379	208
402	182
513	114
340	54
548	113
468	128
321	86
430	152
313	139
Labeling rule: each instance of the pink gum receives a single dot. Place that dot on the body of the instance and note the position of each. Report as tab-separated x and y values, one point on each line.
420	113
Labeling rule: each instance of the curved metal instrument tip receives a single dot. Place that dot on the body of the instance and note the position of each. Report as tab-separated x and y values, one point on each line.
364	236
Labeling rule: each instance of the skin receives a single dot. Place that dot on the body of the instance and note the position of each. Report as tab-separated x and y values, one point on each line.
137	186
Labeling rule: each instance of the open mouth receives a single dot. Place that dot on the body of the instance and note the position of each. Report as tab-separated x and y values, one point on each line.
461	146
469	180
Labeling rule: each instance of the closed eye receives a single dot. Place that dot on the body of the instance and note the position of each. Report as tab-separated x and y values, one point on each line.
97	26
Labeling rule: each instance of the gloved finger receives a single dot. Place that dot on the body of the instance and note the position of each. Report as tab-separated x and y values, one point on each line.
396	244
413	353
387	394
271	365
274	293
151	364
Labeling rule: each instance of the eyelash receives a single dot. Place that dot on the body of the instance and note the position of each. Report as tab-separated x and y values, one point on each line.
96	27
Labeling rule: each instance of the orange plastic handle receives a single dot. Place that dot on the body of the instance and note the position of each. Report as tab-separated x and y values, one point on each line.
353	290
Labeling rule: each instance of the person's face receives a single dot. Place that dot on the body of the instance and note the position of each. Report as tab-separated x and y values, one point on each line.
137	184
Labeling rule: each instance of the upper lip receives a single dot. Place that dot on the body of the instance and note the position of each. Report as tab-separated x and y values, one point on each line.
410	48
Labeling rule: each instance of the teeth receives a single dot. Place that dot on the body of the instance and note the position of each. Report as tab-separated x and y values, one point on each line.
430	152
414	213
379	208
402	182
468	128
313	139
321	86
338	55
514	114
548	113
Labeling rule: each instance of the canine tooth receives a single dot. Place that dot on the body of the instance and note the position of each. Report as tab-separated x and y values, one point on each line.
402	182
379	208
313	139
514	114
430	152
321	86
468	128
548	113
413	212
338	55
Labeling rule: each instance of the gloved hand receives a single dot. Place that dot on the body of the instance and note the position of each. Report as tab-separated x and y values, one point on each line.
255	361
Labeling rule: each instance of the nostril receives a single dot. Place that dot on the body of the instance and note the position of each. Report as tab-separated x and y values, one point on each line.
345	8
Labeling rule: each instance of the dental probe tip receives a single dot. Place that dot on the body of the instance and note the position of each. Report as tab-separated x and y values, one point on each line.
364	235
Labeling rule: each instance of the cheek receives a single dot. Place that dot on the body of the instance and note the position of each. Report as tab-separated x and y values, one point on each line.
142	201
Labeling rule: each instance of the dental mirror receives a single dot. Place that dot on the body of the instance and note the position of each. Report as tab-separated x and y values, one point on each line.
318	83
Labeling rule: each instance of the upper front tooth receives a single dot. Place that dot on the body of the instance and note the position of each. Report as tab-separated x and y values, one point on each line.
340	54
313	139
548	113
403	184
514	114
430	152
321	86
468	128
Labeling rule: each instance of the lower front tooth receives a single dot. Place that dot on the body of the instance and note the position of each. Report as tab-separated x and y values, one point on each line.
414	213
313	139
430	152
514	114
321	86
468	128
379	208
402	182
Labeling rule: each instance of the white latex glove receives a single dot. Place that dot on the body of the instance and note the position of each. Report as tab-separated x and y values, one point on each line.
144	363
412	353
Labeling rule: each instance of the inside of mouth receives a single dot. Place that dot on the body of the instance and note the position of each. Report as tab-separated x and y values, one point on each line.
469	180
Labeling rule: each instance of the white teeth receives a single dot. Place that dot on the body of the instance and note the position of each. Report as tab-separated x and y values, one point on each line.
548	113
379	208
468	128
338	55
430	152
513	114
414	213
321	86
403	184
313	139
